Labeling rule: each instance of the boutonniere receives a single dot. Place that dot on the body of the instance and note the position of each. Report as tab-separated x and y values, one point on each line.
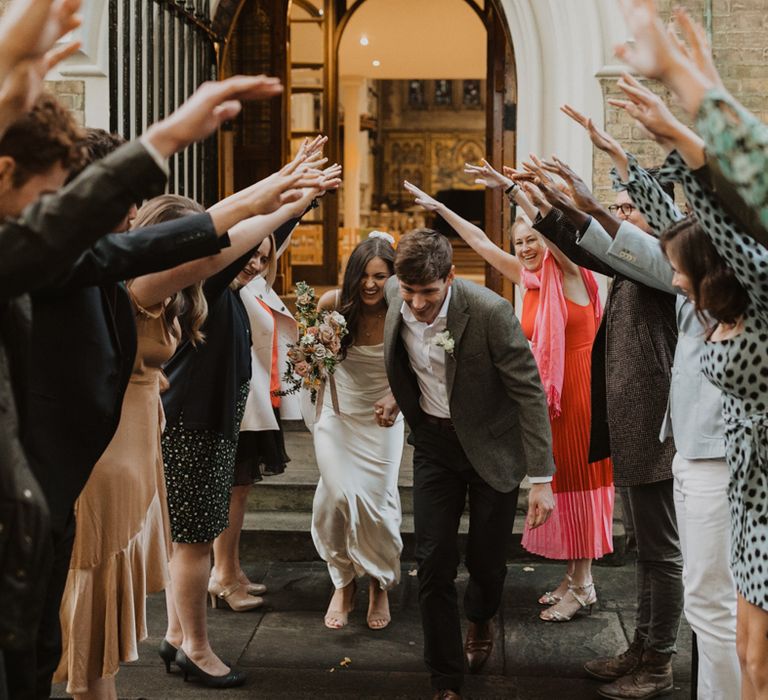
445	341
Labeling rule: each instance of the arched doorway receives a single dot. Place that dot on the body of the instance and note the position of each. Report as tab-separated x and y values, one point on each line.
274	36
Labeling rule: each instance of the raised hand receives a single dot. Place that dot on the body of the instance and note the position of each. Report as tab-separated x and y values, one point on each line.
487	176
422	198
535	170
331	178
24	84
698	50
649	110
546	190
581	195
30	28
600	138
652	53
517	175
212	104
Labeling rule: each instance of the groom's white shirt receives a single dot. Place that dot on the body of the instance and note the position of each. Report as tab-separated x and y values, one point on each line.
427	359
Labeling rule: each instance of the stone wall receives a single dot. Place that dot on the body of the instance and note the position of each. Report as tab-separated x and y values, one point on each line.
740	47
71	93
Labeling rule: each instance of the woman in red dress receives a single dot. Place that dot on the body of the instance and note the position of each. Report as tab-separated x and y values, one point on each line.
561	314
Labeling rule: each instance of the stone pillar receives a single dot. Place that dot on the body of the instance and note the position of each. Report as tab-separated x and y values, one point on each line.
352	99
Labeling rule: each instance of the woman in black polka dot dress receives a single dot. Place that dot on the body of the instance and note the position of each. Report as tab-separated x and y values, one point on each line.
725	272
736	361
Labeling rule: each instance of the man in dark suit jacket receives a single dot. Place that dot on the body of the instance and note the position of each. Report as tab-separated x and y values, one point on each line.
462	373
84	336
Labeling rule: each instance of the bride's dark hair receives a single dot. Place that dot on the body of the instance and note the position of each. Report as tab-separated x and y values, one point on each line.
350	303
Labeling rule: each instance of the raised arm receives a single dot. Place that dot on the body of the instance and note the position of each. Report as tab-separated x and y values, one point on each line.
600	138
52	233
29	29
507	264
244	237
633	253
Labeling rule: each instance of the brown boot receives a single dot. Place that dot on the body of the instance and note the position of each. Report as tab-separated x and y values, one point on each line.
609	668
652	678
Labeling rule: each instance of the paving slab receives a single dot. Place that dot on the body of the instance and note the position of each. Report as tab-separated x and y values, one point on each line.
288	653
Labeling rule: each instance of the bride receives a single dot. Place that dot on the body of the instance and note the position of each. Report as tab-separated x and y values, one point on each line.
356	511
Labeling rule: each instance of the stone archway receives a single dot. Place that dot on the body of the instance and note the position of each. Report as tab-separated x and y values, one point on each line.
562	50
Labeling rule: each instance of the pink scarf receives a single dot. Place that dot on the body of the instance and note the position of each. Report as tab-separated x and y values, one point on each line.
548	341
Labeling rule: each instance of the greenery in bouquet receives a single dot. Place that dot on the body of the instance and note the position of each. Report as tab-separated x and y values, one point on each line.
314	357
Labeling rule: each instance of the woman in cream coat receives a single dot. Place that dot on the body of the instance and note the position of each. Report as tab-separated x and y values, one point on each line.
260	448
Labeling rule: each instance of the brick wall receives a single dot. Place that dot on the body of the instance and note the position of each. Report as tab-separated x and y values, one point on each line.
740	46
71	93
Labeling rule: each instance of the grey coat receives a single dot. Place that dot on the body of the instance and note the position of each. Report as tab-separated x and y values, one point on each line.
694	416
497	403
631	368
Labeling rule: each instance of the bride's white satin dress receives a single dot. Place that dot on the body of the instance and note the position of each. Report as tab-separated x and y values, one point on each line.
356	512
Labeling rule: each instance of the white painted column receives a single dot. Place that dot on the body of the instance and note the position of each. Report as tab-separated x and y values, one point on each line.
352	91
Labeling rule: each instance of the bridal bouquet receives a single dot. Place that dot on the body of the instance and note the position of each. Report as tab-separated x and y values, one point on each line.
313	358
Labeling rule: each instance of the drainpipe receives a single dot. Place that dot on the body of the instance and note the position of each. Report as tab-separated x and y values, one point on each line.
708	19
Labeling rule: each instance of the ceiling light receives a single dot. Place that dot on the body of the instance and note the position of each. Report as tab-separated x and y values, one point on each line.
320	12
363	40
376	63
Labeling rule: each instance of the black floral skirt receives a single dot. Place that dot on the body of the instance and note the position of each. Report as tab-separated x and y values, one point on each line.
199	471
260	453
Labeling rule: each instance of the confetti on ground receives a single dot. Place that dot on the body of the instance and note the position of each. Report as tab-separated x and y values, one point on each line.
528	568
345	662
413	572
332	669
411	644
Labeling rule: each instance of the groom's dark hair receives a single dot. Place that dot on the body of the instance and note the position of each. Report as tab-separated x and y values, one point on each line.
423	256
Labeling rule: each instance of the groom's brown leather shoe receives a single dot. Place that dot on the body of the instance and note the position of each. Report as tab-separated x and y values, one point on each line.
479	644
446	695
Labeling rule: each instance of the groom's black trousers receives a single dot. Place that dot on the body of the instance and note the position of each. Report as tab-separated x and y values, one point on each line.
442	477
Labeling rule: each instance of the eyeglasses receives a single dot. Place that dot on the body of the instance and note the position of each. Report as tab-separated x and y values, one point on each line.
625	208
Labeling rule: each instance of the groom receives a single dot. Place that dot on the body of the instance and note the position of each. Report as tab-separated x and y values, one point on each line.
461	371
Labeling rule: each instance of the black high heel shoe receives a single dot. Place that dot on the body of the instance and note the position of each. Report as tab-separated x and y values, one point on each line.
190	669
167	653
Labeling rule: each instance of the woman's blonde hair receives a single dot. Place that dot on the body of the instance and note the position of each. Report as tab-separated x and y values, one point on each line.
189	305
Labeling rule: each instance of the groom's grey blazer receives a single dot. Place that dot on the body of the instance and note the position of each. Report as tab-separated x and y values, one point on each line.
497	403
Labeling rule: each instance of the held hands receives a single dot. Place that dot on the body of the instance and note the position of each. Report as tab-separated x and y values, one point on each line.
422	198
541	503
385	411
212	104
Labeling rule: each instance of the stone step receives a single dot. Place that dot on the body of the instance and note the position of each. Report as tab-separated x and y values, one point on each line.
272	495
286	536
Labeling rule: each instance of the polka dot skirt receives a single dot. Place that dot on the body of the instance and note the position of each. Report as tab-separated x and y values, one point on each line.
199	468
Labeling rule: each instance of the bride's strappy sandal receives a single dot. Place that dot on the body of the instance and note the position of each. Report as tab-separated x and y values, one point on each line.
341	615
378	616
585	596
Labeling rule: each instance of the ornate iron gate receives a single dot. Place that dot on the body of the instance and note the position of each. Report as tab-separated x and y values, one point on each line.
159	52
